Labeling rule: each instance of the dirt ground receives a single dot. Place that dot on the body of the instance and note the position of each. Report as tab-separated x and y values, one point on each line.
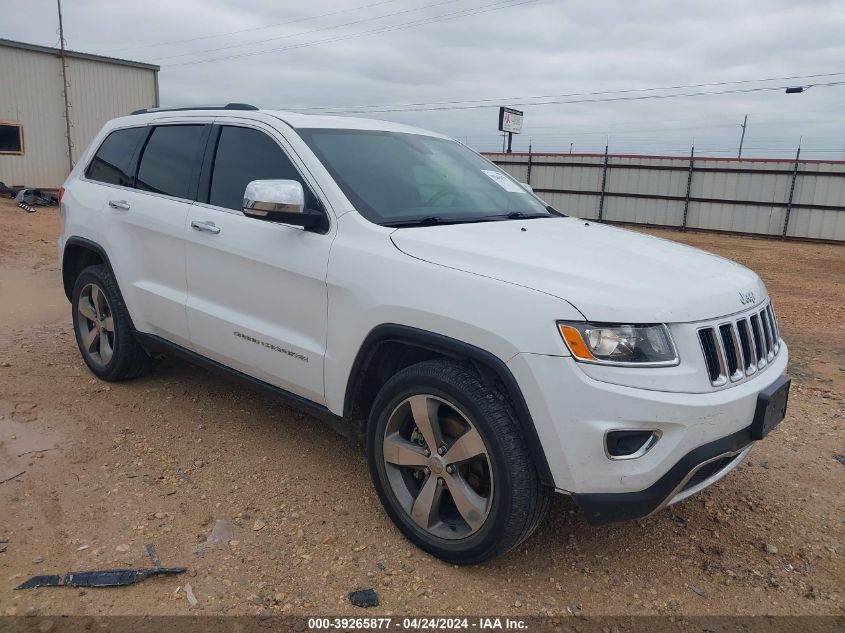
108	468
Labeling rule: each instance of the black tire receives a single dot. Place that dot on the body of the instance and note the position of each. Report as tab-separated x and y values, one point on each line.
127	359
517	499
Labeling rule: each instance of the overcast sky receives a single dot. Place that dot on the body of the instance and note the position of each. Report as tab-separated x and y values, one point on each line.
501	50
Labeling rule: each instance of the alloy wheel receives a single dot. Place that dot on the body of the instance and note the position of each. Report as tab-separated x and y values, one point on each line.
95	325
438	466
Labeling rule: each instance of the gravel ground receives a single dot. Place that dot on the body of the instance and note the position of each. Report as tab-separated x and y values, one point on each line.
159	459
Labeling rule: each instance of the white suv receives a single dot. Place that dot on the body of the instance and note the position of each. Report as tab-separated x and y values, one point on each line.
397	284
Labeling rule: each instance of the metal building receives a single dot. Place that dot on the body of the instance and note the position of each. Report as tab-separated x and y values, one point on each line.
34	122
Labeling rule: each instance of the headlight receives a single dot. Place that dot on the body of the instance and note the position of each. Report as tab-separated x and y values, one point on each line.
636	345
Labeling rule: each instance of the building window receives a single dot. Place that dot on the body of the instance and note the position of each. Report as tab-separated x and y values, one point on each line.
11	138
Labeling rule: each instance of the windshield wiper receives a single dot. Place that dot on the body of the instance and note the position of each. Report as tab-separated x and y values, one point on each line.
522	215
432	220
426	221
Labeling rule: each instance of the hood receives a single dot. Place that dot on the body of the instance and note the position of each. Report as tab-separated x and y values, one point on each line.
608	274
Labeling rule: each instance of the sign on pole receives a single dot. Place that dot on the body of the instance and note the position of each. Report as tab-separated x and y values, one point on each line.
510	122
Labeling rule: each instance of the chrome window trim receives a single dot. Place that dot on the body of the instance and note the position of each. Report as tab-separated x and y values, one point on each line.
213	207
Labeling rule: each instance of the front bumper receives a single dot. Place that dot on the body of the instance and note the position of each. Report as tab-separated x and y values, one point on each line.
703	435
726	453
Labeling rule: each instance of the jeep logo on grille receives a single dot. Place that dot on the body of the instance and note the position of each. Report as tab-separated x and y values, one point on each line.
746	297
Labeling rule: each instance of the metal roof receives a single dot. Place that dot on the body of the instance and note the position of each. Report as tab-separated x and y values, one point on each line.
74	54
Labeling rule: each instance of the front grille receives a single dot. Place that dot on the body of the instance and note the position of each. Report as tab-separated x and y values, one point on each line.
710	346
749	362
738	348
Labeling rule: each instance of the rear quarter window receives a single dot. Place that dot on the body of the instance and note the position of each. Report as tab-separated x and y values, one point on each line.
112	162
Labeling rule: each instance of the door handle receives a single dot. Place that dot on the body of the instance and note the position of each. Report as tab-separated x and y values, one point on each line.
205	226
122	205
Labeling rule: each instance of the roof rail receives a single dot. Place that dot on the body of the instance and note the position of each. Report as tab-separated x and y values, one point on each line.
228	106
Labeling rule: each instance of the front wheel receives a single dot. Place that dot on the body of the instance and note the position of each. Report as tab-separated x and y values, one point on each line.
450	466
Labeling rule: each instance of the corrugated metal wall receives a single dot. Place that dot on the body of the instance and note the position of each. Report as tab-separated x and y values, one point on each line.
745	196
100	91
31	94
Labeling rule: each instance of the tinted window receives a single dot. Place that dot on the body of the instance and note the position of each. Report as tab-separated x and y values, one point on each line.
111	163
169	159
244	154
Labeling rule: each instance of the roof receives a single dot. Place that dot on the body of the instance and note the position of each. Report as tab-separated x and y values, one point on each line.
298	120
77	55
295	120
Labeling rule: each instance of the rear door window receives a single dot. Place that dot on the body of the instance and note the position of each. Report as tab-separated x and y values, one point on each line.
245	154
112	164
170	160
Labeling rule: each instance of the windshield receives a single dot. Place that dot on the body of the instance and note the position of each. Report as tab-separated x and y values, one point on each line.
395	178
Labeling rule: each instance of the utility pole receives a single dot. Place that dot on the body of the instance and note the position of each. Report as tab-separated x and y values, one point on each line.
570	146
65	88
742	138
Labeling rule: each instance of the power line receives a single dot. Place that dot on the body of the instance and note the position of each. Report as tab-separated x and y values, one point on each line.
250	30
474	106
523	98
317	30
495	6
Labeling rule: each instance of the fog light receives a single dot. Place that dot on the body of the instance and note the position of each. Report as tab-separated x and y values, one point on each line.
629	444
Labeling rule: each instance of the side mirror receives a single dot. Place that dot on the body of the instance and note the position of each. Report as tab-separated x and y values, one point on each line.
280	201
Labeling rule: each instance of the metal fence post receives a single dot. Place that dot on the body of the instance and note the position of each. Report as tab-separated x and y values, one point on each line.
603	185
689	187
528	176
791	193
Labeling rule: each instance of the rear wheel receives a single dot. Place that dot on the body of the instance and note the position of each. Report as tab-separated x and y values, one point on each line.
450	465
103	328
